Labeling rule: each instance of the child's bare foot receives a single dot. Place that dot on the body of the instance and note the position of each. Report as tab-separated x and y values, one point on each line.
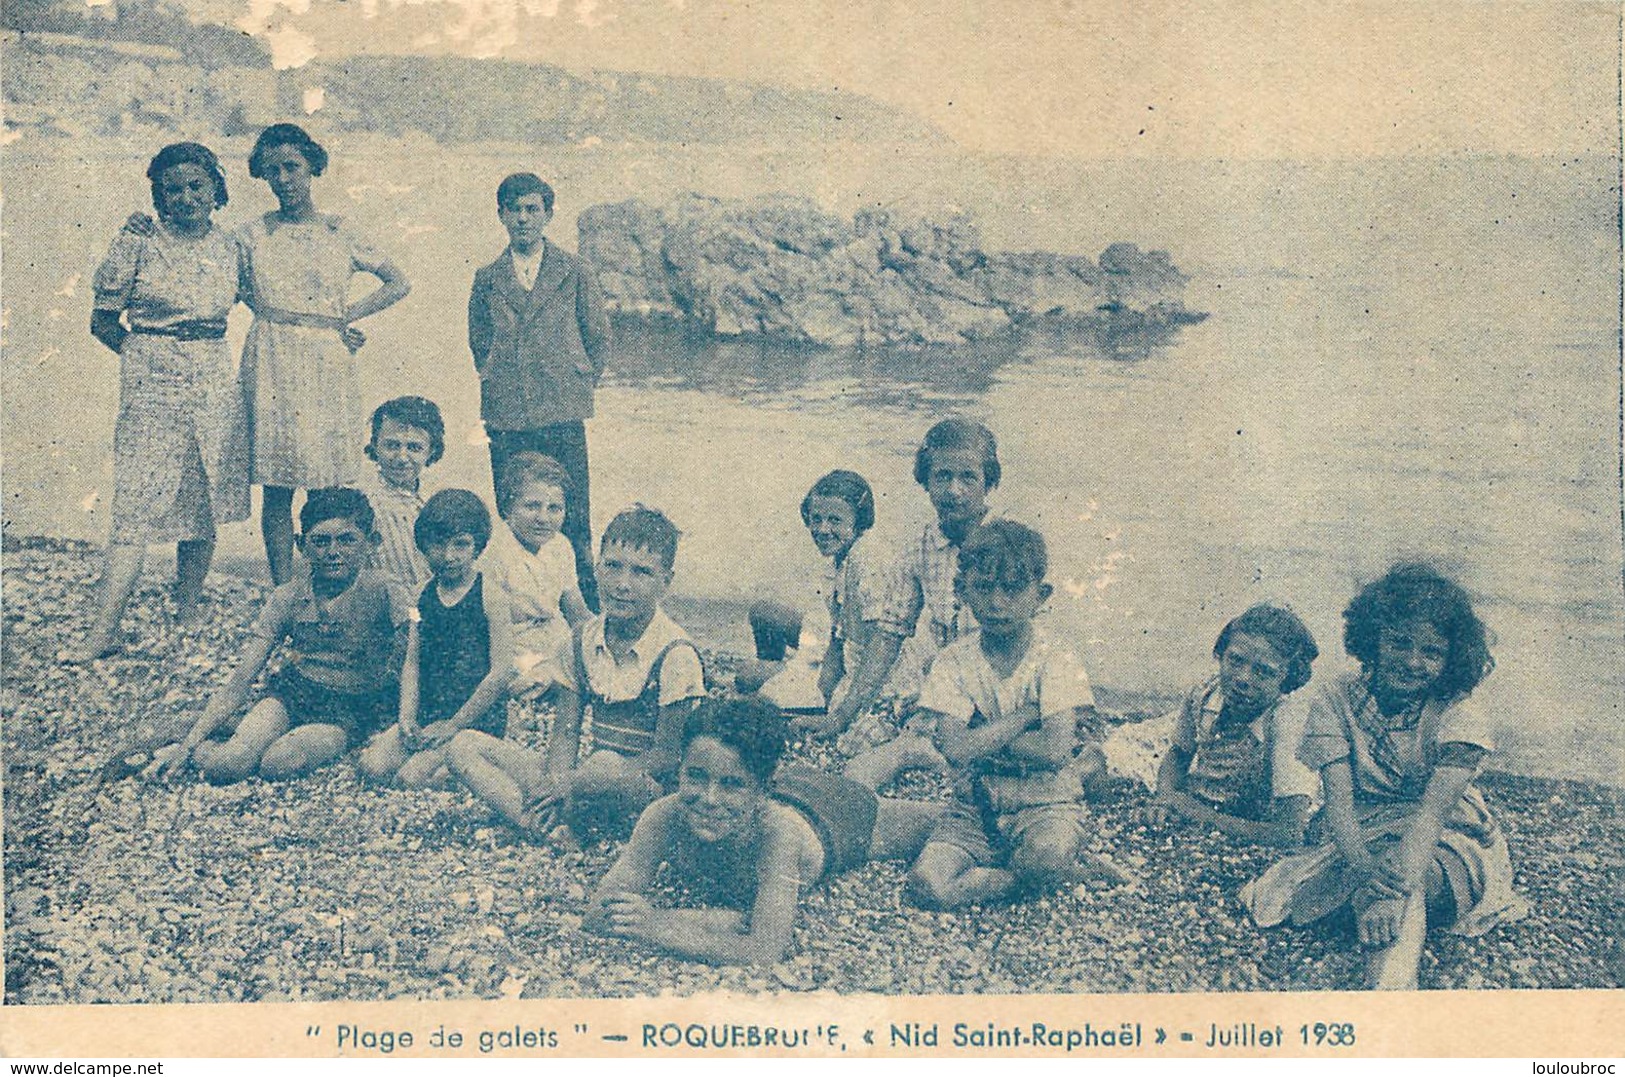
538	821
865	734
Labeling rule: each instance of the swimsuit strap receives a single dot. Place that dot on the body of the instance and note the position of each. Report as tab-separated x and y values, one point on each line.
659	663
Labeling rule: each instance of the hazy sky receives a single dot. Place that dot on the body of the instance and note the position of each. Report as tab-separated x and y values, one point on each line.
1083	77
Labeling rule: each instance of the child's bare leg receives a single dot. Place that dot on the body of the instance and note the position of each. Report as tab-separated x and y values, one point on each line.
946	877
879	767
1395	967
425	770
503	775
192	560
302	750
902	828
123	569
240	756
383	756
276	528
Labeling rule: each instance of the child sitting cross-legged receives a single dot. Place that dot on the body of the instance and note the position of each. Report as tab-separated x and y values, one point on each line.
1233	762
459	654
1008	702
631	671
345	626
747	838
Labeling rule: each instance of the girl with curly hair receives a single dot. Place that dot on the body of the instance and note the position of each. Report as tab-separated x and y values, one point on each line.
1406	839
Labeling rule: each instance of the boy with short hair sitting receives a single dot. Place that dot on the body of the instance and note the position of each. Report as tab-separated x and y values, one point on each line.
1008	702
917	611
633	670
345	624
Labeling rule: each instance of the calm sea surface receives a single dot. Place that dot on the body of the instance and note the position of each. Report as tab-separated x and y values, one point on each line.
1411	358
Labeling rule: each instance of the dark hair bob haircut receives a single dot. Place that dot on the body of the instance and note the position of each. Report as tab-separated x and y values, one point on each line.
419	413
286	134
449	513
959	434
850	487
1282	629
749	725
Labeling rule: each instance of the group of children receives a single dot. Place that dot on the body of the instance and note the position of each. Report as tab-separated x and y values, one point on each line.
415	624
997	703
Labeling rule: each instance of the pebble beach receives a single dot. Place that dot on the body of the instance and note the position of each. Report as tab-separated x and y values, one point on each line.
119	890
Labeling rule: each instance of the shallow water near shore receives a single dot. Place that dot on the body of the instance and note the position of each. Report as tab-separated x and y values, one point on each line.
1414	358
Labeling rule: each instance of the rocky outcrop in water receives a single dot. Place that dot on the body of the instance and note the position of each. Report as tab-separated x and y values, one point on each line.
780	267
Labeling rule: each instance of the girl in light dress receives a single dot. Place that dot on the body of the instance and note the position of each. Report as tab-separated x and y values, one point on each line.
179	466
1405	839
299	371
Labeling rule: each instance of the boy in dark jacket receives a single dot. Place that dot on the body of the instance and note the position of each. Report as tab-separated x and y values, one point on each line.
539	334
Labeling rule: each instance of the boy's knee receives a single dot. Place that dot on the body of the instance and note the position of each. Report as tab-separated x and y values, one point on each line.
376	763
601	770
421	771
465	748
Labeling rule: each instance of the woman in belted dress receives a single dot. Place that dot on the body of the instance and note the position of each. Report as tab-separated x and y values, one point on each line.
299	376
179	460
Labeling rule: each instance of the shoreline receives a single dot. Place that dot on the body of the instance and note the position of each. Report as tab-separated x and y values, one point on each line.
717	623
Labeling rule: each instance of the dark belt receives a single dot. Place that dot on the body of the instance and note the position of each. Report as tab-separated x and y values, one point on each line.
194	329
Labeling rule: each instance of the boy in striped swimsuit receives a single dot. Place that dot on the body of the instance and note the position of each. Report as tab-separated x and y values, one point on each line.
633	677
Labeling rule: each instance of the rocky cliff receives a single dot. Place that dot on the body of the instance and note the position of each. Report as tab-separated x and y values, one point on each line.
782	268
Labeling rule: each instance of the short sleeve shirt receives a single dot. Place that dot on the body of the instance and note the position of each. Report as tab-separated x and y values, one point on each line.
304	267
161	279
533	584
681	674
347	643
1391	757
1049	678
854	597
